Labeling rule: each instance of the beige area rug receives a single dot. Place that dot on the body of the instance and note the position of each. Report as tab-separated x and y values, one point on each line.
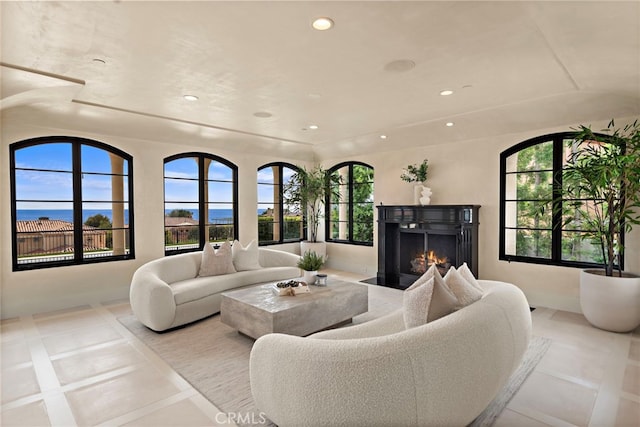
214	358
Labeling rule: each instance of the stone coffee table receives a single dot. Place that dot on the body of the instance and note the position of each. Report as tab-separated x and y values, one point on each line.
257	311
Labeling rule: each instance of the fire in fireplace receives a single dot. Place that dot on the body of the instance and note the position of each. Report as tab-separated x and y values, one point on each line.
421	262
419	249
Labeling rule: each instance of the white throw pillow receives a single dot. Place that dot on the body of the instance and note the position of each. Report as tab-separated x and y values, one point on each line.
245	258
464	291
415	303
427	299
468	276
216	263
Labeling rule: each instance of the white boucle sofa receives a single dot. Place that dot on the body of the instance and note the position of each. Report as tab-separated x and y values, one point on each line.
443	373
166	292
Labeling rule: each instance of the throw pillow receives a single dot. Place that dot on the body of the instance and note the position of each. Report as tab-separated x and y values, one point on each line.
415	303
468	276
464	291
427	299
216	263
245	258
443	301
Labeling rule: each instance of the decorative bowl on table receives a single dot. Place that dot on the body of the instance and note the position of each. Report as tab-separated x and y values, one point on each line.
290	287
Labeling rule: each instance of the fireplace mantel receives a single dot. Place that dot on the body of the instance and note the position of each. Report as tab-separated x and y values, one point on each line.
416	226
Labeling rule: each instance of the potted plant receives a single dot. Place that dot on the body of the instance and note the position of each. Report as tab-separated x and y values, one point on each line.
310	262
601	180
418	174
309	188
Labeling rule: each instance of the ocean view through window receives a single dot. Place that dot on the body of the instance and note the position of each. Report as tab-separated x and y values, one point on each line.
61	214
71	202
200	201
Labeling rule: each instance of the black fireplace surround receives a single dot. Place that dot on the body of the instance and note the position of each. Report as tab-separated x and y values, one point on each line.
411	238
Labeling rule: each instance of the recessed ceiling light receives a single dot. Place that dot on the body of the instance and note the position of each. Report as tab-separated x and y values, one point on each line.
383	136
262	114
313	127
190	97
322	23
446	92
449	124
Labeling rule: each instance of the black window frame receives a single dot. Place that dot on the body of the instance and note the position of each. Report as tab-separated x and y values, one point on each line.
556	200
350	204
280	166
77	202
202	239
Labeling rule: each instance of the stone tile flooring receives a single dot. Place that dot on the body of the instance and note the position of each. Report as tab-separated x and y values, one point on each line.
82	367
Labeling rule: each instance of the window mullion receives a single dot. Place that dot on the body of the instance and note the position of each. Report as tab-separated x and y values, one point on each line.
201	203
327	205
556	220
78	241
234	202
281	203
350	207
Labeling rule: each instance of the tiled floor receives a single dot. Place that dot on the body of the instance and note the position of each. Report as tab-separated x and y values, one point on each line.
82	367
588	377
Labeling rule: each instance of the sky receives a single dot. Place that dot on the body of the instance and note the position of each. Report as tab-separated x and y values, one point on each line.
48	180
50	186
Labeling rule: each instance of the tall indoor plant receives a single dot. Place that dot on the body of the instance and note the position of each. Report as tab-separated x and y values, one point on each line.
601	181
309	188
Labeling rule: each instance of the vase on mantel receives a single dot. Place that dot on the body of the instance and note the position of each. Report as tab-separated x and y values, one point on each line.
426	196
421	195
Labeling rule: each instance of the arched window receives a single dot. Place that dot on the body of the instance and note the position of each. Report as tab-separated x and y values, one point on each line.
200	201
532	213
71	202
350	219
277	221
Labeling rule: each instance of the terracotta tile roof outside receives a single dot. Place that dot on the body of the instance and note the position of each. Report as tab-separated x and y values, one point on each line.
48	225
175	221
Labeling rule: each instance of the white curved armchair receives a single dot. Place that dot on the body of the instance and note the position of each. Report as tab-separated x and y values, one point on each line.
377	373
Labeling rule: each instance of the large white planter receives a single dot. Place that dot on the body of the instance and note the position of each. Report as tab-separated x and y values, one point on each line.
320	248
610	303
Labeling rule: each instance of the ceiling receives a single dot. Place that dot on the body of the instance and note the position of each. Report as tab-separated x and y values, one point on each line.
123	67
